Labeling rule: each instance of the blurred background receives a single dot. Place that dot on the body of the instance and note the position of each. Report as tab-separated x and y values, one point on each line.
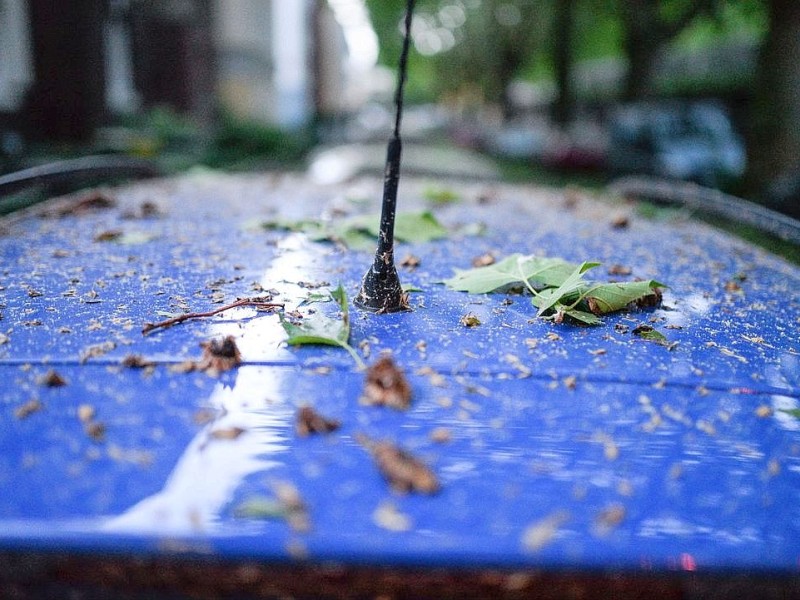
553	91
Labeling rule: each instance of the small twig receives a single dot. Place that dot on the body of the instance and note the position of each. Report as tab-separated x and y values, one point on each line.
254	302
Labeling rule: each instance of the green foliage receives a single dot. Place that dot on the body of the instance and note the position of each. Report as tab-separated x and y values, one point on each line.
240	143
317	329
558	288
436	194
361	231
515	269
646	332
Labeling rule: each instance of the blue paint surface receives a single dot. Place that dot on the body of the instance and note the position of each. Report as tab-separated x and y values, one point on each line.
569	447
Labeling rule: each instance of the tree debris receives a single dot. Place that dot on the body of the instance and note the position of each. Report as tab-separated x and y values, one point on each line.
404	472
52	379
470	320
537	535
309	421
227	433
262	303
219	355
137	361
25	410
286	504
386	385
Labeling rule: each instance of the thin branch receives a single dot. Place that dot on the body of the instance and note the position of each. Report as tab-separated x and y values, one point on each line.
254	302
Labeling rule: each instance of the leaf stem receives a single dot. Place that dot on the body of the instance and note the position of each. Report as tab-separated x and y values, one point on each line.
359	361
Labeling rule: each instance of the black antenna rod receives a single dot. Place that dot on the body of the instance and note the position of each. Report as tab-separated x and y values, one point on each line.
381	291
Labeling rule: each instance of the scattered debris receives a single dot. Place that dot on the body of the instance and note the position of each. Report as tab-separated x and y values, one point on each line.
227	433
146	210
441	435
764	411
647	332
537	535
89	203
609	519
619	270
86	413
25	410
620	222
309	421
484	260
137	361
286	504
386	385
219	355
204	416
52	379
97	350
404	472
410	262
94	429
110	235
389	517
262	303
470	320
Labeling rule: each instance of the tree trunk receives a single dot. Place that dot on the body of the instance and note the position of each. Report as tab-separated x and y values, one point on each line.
67	100
775	148
643	52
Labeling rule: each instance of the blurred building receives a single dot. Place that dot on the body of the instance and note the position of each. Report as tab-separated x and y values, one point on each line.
68	67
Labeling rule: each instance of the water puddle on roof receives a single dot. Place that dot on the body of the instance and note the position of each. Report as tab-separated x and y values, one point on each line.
248	435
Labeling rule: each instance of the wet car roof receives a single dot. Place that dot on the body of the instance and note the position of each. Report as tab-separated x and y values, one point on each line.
556	446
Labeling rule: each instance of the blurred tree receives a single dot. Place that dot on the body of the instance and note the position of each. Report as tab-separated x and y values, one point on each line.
775	143
476	45
649	25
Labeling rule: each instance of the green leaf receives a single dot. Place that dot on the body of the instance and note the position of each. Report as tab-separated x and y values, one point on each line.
582	316
417	228
410	288
260	508
571	285
611	297
311	298
317	329
795	412
559	288
361	231
646	332
440	195
514	269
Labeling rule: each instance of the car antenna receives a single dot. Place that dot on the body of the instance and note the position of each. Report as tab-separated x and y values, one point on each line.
381	291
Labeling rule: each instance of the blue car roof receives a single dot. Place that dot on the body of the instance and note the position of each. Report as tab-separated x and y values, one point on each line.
556	446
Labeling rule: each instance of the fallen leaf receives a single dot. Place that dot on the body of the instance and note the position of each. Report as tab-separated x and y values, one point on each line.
386	385
540	533
404	472
25	410
227	433
309	421
317	328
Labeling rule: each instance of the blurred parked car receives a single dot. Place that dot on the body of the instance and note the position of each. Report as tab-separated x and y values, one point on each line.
694	141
